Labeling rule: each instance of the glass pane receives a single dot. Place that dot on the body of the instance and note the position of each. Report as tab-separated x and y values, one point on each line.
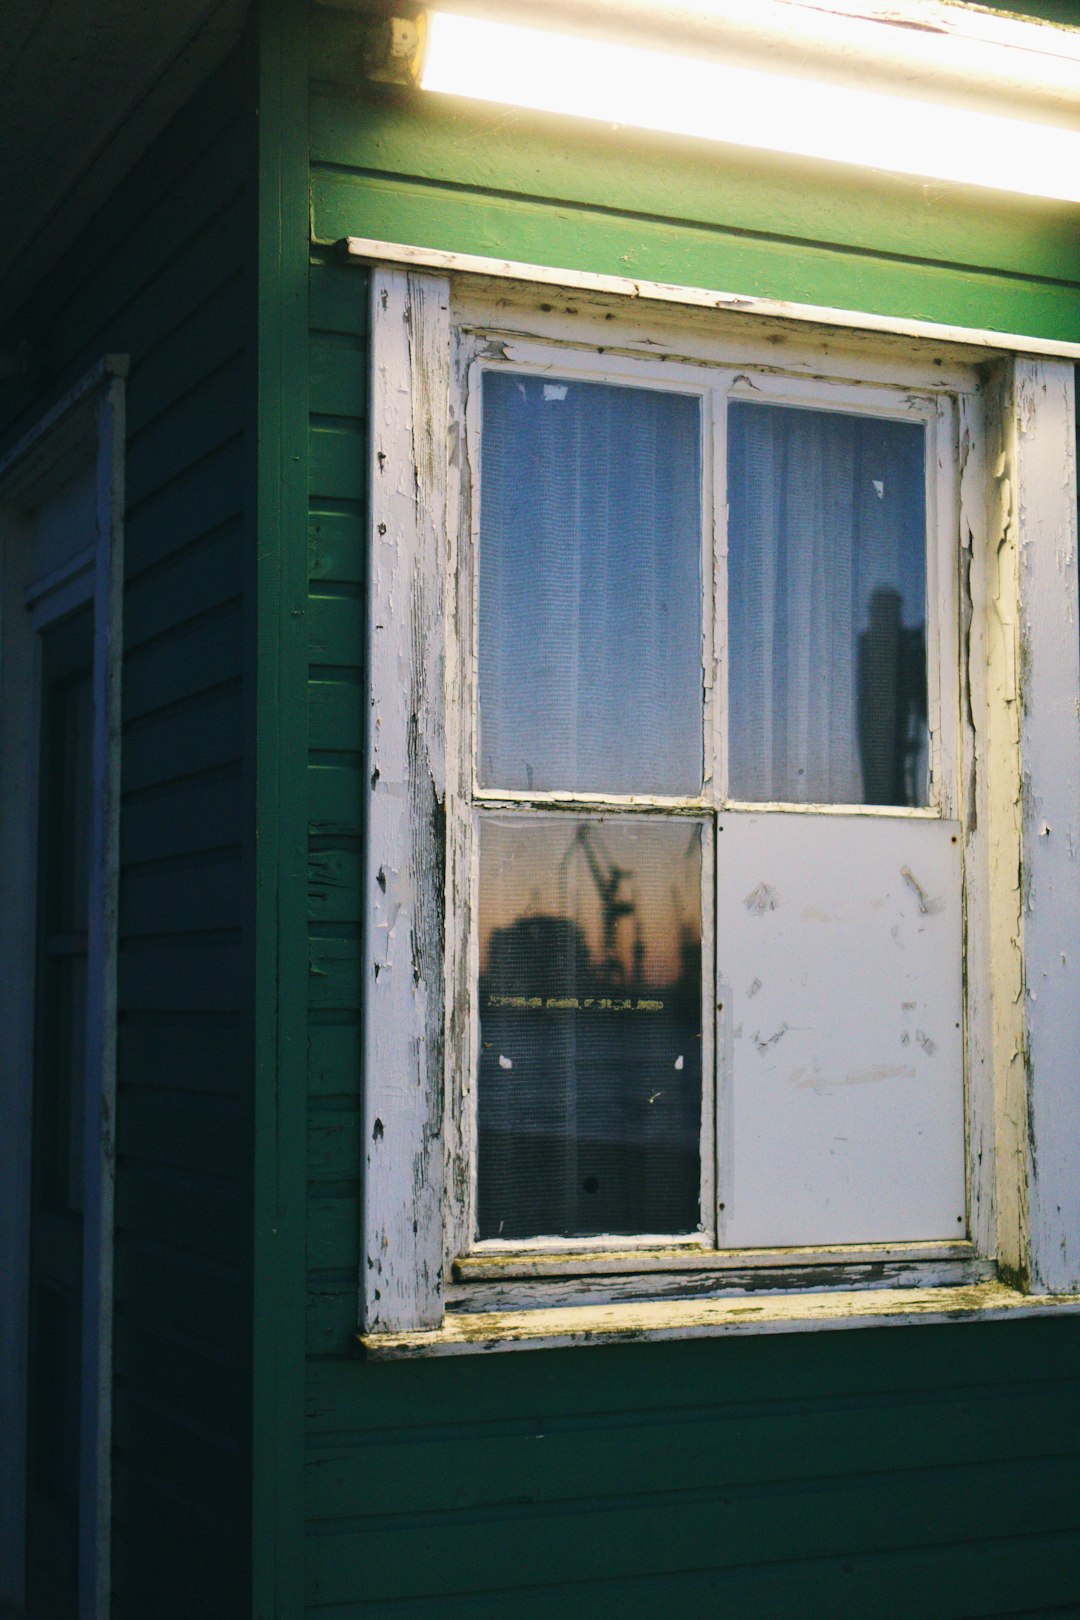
590	587
826	607
590	1026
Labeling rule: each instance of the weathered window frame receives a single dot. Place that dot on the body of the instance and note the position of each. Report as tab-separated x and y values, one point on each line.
1016	555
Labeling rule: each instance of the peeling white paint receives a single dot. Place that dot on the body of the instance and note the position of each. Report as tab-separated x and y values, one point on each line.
1047	1107
927	906
709	1318
405	854
773	313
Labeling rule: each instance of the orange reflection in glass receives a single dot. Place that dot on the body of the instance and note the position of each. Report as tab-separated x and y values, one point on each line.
590	1025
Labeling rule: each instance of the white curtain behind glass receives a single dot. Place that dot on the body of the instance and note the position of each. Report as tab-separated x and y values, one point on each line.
826	607
590	673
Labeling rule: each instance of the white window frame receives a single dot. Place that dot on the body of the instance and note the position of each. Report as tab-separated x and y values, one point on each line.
1004	512
478	353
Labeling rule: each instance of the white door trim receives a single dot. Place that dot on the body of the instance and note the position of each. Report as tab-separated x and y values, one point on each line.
85	428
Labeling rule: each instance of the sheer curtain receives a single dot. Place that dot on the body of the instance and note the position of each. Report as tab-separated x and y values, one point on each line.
826	607
590	587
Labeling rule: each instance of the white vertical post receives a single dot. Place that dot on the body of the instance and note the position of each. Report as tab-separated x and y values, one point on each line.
1045	510
401	1265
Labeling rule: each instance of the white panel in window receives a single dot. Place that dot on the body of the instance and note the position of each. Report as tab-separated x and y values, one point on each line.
839	953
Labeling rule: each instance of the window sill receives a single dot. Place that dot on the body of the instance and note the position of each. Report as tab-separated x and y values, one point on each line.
553	1327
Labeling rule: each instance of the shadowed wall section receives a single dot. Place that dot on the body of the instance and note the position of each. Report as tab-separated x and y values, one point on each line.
166	274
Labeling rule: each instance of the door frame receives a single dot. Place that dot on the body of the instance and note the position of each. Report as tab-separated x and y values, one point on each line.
85	428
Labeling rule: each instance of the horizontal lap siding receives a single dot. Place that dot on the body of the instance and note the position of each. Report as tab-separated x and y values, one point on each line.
801	1475
910	1472
336	619
632	203
184	1131
166	275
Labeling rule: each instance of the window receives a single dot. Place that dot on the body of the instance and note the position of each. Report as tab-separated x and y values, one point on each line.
681	853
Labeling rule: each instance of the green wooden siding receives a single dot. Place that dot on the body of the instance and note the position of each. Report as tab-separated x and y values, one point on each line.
281	813
337	552
634	203
909	1472
755	1478
166	273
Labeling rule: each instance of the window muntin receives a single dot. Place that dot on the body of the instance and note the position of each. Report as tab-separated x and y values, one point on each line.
910	435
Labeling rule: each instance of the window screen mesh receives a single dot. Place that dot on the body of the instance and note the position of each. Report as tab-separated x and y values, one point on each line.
590	1025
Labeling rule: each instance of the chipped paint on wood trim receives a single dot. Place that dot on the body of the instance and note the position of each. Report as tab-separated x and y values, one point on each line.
590	1259
370	250
401	1265
999	755
1049	684
462	867
973	559
626	1323
549	1292
505	312
1023	674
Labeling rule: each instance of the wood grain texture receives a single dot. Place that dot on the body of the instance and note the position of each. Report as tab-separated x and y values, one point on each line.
689	254
649	1534
638	174
656	1320
1045	474
402	1272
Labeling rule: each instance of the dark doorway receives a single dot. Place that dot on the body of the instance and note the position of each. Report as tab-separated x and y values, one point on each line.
65	785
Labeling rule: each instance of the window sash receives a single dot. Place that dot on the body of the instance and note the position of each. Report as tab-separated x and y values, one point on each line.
714	384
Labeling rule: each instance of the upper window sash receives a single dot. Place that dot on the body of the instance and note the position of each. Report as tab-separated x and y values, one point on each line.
714	385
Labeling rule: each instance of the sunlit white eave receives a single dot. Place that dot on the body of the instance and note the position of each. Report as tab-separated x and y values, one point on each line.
704	97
